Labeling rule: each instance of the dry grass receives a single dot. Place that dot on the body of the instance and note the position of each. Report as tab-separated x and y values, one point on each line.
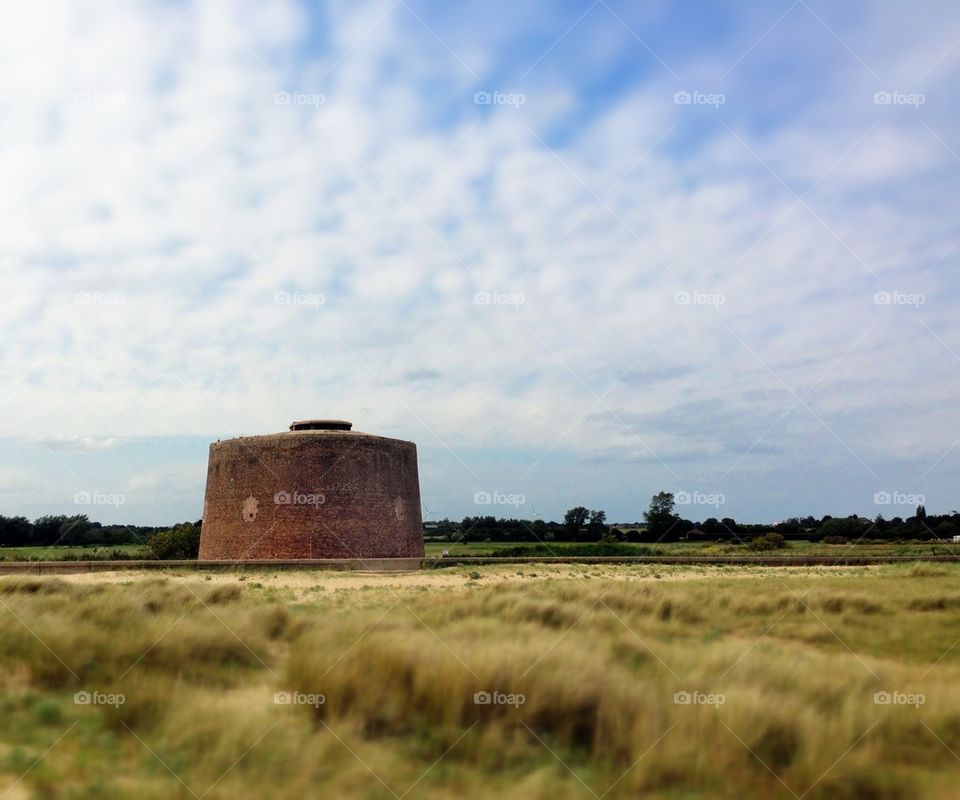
597	654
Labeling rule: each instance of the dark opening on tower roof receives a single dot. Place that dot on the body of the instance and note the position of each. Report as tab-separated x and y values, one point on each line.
321	425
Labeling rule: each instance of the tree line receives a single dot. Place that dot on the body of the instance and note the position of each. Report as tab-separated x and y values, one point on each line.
72	531
178	541
662	523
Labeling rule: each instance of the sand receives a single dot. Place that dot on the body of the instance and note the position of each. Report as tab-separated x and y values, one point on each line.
302	584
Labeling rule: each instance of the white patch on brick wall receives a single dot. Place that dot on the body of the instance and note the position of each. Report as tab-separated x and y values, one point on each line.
249	511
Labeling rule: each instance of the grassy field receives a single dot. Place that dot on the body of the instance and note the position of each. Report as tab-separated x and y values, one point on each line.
59	553
698	548
434	549
594	681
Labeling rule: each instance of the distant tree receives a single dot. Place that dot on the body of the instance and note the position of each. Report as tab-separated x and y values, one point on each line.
835	528
612	534
711	526
597	526
75	531
15	531
47	530
790	527
730	527
946	530
574	520
443	528
539	531
180	542
660	518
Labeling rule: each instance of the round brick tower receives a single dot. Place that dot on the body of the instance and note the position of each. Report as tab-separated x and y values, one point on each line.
319	490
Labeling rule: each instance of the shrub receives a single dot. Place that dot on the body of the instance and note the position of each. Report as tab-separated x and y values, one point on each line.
769	541
180	542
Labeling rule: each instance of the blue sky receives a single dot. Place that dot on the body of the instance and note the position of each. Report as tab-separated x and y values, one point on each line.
579	252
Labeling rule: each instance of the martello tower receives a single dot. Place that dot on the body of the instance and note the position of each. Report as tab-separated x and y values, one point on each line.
318	490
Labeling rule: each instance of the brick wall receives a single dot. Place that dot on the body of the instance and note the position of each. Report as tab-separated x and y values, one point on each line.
312	494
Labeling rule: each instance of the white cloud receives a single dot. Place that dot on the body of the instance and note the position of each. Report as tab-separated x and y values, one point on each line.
79	442
150	223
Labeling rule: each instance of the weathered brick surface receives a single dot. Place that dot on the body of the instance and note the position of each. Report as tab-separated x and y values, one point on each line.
312	494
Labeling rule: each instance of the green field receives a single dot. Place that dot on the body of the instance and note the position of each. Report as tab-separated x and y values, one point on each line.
434	548
58	553
635	681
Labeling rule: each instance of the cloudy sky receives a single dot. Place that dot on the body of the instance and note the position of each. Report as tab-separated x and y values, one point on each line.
578	251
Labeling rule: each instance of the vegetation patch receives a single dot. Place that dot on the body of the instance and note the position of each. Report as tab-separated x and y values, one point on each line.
661	689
